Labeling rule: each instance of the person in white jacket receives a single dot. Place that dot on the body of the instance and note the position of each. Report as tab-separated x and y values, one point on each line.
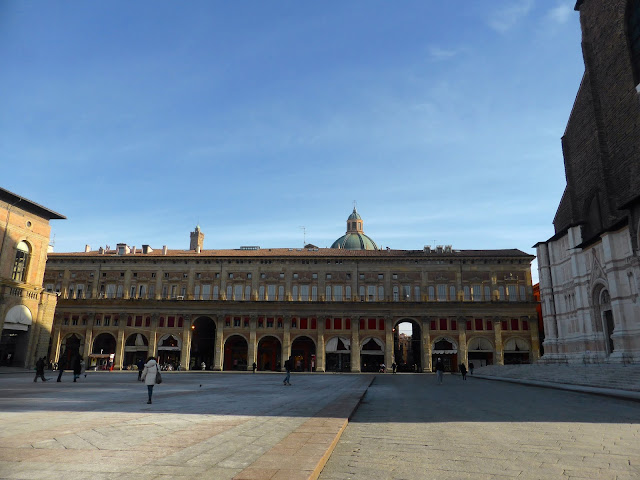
149	375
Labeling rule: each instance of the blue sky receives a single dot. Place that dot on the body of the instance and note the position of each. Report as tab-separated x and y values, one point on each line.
138	120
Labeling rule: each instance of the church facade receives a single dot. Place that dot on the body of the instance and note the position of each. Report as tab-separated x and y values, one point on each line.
590	268
330	309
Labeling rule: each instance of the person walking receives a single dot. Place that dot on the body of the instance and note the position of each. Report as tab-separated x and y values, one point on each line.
439	370
471	367
463	371
40	370
140	369
77	367
254	366
394	367
287	366
61	366
149	375
83	368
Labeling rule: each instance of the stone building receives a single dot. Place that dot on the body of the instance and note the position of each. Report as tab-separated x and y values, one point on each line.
26	310
329	308
589	269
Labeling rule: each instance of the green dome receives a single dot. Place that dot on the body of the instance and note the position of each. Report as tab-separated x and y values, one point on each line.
355	241
355	215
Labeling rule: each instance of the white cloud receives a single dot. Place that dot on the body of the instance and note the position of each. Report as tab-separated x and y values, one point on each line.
438	53
562	12
506	18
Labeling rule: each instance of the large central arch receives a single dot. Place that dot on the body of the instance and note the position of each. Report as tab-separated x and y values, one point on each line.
407	348
203	339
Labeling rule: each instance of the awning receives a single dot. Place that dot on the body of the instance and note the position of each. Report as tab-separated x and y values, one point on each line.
516	344
338	345
18	318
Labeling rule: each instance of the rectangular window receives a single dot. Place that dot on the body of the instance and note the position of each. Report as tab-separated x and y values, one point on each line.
479	325
452	293
347	324
261	296
347	292
454	324
98	321
432	325
381	276
371	293
280	292
183	291
216	292
416	293
247	292
467	293
371	324
74	320
271	292
511	291
314	324
111	291
515	325
525	325
489	325
328	293
304	293
138	321
270	323
171	322
381	324
487	293
469	325
337	293
107	321
314	293
380	293
132	291
523	294
174	291
504	324
396	293
406	293
294	293
120	291
303	323
443	324
21	263
196	292
327	324
229	292
236	321
442	293
476	293
362	324
337	323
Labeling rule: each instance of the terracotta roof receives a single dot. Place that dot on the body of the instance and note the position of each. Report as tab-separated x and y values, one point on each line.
300	252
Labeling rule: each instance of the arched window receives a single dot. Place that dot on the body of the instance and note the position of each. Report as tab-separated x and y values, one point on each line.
21	263
634	37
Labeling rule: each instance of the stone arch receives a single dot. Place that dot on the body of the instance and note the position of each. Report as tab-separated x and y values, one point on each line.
446	349
136	348
408	351
303	353
516	350
203	341
372	351
337	352
236	351
169	351
269	348
104	344
480	344
480	351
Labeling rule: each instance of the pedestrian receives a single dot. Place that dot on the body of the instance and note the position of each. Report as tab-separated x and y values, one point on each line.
77	367
40	370
61	366
287	366
149	375
471	367
383	368
140	368
203	365
394	367
463	371
439	370
254	366
83	368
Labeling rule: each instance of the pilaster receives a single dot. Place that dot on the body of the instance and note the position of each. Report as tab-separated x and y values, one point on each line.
426	344
355	345
185	353
462	341
253	347
389	354
218	353
497	329
286	341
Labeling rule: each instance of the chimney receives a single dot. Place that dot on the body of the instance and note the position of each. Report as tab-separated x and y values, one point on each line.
198	249
87	248
146	249
133	249
164	249
101	251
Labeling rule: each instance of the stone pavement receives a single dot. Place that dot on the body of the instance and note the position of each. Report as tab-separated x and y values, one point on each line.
407	427
200	425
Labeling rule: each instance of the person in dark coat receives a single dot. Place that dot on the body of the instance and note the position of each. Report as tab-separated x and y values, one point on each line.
140	369
471	367
439	370
254	366
61	366
463	371
40	370
287	366
77	367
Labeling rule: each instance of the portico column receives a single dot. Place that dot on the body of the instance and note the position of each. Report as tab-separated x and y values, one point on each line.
426	344
88	338
253	347
218	347
56	343
497	328
286	341
187	333
153	336
388	347
119	358
320	357
355	345
462	341
535	339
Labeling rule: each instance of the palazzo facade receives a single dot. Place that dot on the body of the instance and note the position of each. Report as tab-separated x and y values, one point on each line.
26	310
590	268
331	309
